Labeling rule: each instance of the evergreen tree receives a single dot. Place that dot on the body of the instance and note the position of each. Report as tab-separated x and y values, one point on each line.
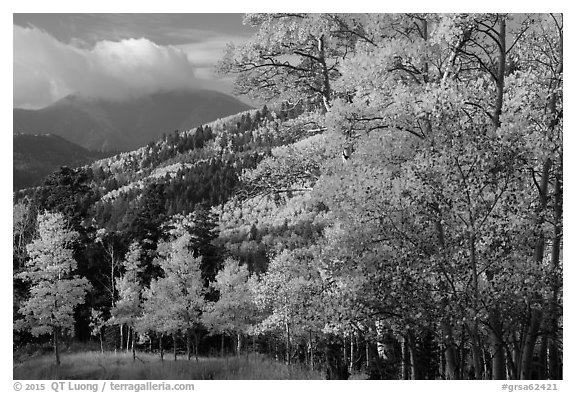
66	191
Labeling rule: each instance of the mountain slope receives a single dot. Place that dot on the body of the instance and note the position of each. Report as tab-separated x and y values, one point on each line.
107	125
36	156
199	166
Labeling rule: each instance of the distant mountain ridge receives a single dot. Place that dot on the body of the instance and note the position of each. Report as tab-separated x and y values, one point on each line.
36	156
108	125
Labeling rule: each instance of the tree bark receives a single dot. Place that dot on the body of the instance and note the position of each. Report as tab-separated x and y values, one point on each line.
543	190
174	340
351	366
288	357
554	353
128	339
425	37
474	334
307	353
112	269
133	347
500	73
238	344
452	368
498	354
554	364
498	361
535	314
326	90
196	346
56	345
121	336
487	364
188	344
526	363
554	358
543	359
414	369
344	350
476	351
516	356
367	349
311	350
222	345
161	347
445	326
405	363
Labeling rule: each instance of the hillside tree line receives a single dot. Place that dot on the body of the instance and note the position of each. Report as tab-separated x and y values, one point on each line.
396	210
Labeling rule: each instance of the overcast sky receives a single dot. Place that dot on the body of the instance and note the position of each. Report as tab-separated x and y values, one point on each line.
117	56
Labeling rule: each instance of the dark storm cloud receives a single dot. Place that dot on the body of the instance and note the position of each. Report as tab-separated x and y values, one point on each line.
163	29
45	67
116	56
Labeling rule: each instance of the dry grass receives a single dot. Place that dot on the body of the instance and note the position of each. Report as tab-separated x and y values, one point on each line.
94	365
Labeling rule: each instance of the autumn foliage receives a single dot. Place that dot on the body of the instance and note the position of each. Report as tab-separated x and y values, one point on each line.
395	210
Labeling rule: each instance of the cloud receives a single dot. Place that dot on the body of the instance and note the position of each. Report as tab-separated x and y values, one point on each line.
206	54
209	51
46	69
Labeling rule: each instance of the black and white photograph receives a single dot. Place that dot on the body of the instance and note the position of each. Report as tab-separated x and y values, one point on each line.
287	196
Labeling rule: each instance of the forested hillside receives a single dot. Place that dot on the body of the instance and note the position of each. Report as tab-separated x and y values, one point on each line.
36	156
108	125
394	211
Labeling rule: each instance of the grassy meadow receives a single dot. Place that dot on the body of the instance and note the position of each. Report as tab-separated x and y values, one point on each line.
108	365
